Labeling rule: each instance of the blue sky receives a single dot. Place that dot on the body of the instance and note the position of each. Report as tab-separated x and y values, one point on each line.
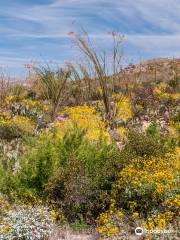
36	30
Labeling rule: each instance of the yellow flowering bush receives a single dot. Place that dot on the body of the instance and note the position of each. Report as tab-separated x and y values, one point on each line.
24	123
173	201
106	225
84	117
5	117
175	96
158	221
18	120
9	99
12	127
152	178
37	105
110	223
172	131
123	132
143	185
162	91
123	108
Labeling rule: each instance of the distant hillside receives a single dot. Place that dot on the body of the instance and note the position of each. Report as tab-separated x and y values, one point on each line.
159	69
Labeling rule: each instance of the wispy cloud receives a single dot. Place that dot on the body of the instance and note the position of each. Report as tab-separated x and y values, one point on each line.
38	28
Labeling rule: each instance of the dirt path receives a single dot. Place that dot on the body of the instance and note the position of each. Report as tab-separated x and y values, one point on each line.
66	234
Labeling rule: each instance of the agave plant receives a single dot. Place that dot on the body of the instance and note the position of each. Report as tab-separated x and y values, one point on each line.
52	85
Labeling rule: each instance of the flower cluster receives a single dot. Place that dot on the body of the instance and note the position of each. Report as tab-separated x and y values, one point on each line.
33	223
84	117
37	105
158	221
154	178
24	123
163	91
123	108
158	174
25	115
110	223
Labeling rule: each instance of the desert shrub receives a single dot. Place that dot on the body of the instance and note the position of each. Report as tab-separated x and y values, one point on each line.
144	96
113	224
9	182
78	174
145	183
144	188
4	205
18	90
167	141
83	181
16	127
141	144
9	132
39	165
153	130
41	157
25	124
72	172
145	194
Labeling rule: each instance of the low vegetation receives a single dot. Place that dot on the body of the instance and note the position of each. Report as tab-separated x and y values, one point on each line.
89	151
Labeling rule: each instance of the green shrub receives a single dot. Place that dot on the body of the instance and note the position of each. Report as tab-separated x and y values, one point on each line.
38	167
79	225
9	182
153	131
78	175
72	172
145	183
140	145
82	184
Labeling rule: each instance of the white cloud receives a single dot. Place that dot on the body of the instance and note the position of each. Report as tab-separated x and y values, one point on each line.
150	26
57	17
163	41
